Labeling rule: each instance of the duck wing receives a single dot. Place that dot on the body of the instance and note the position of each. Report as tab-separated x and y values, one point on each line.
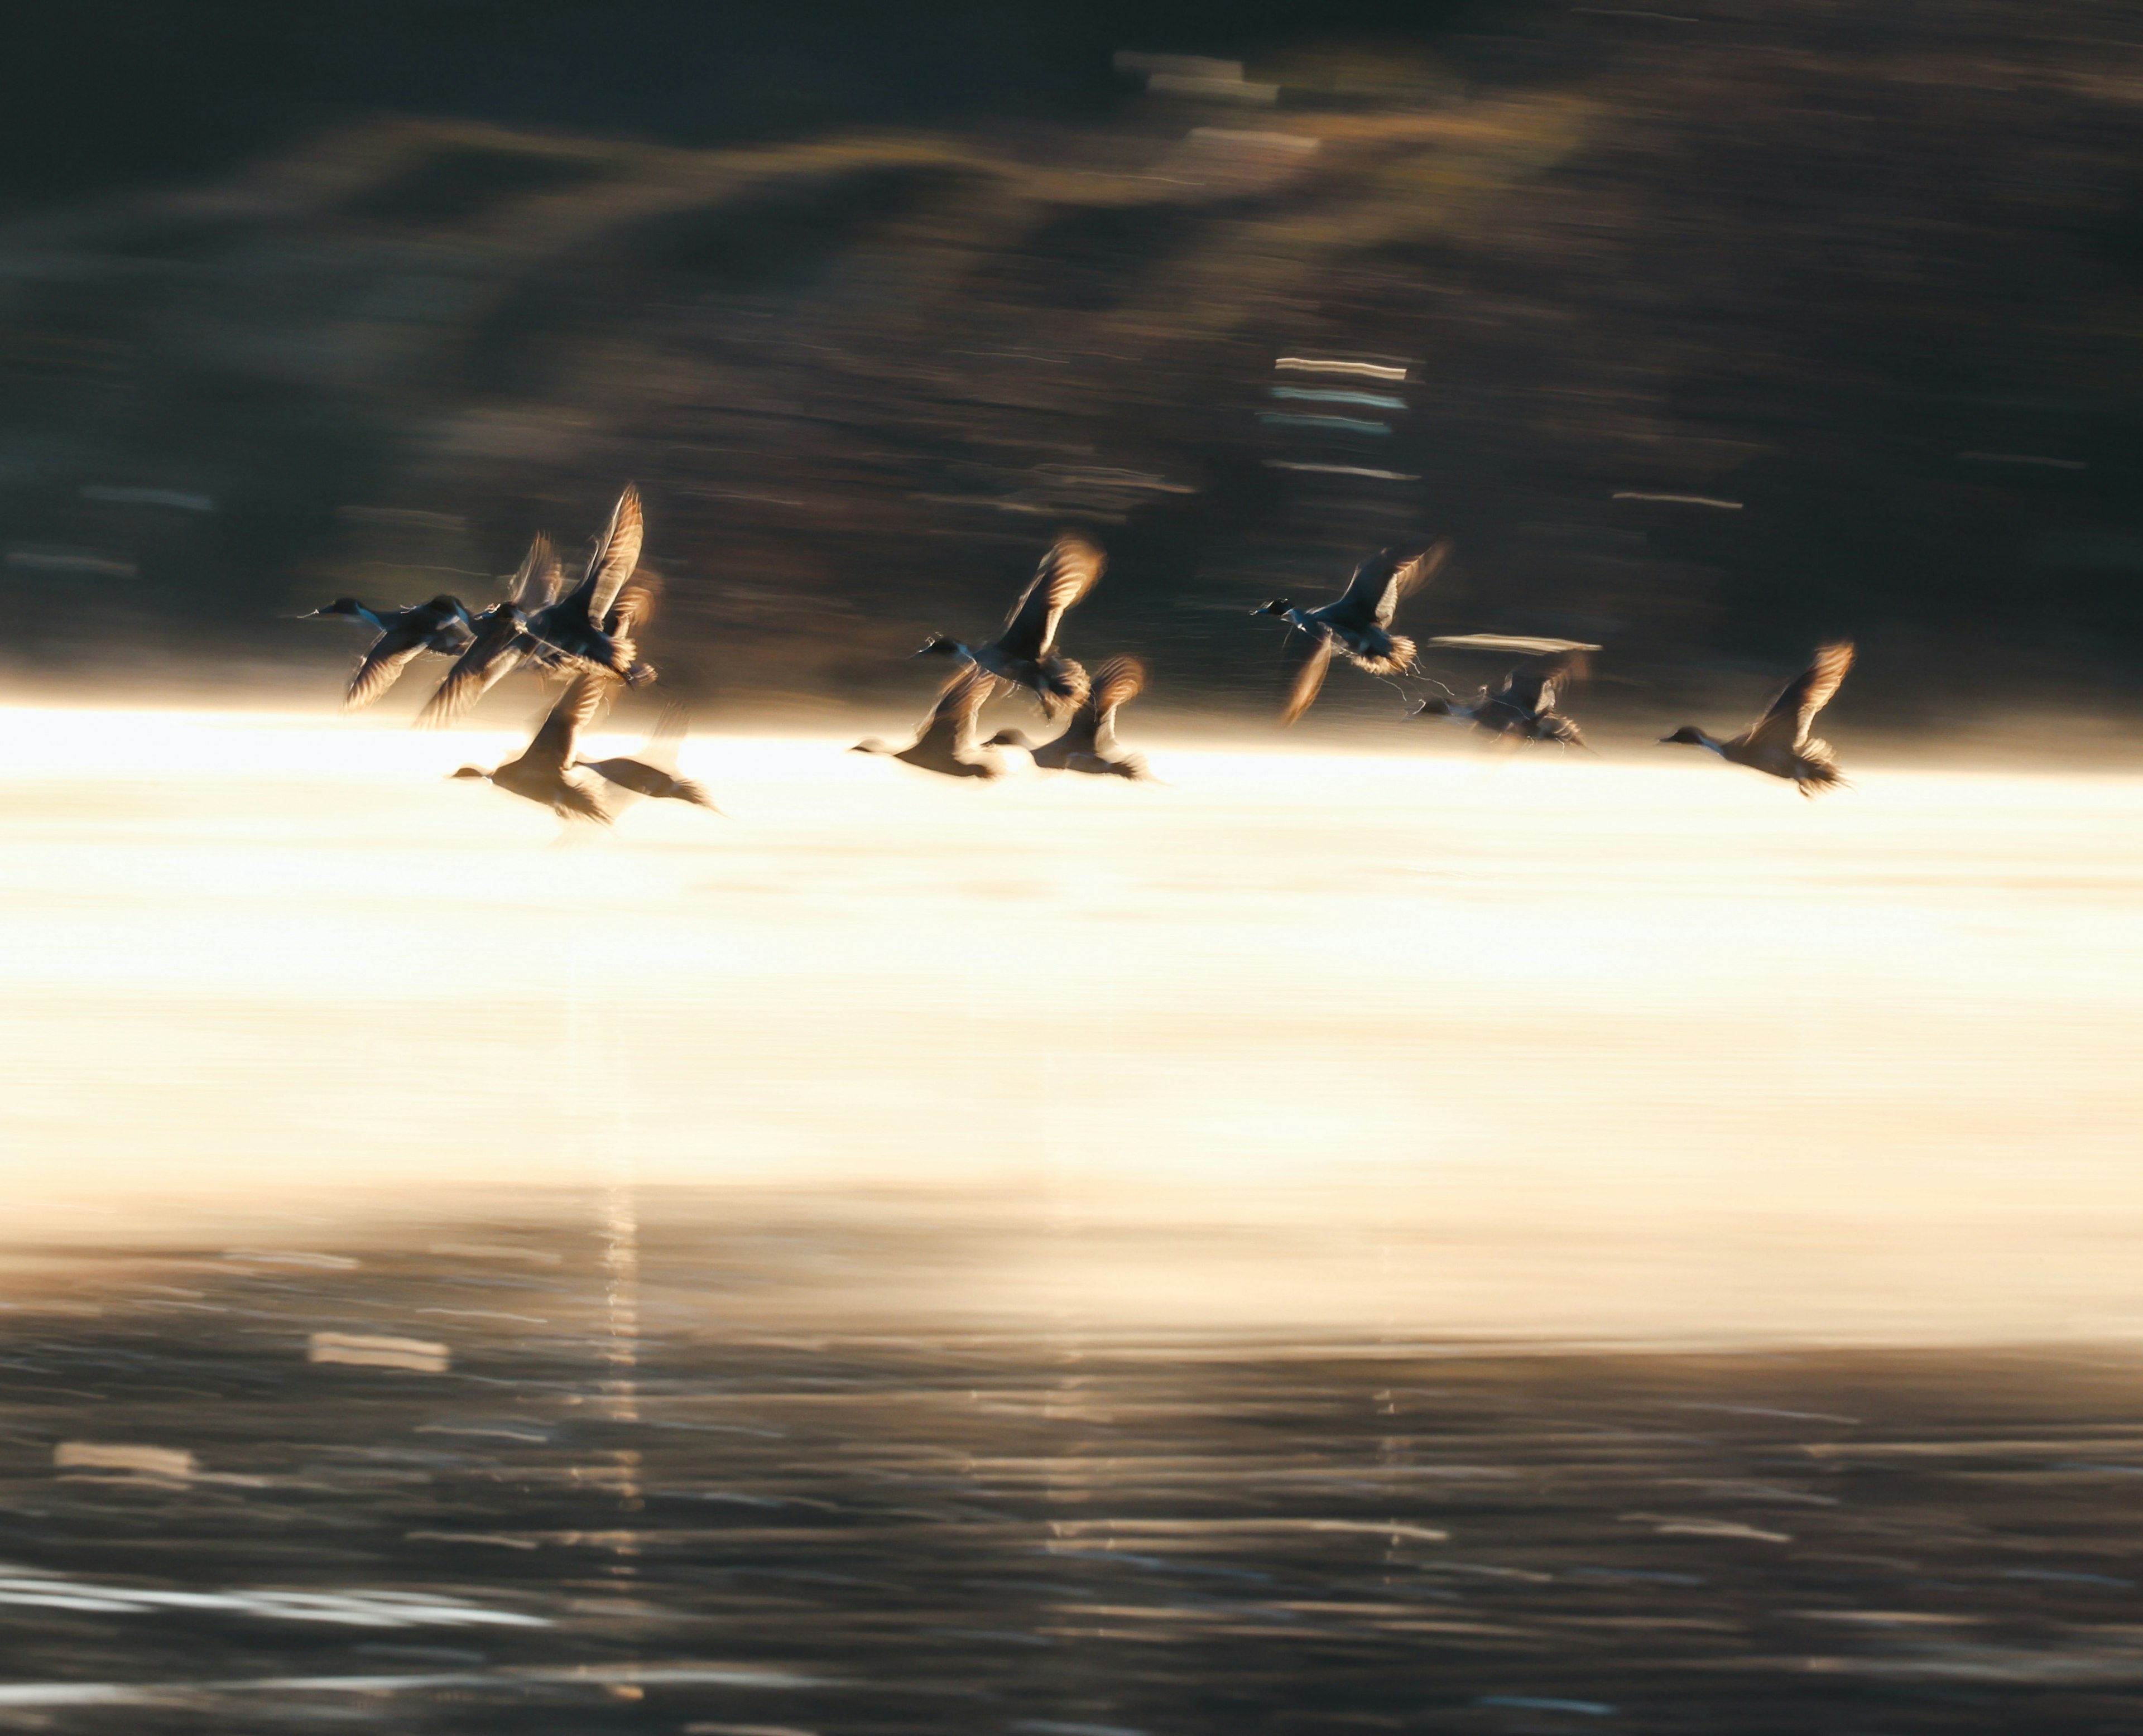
1531	686
391	653
1312	655
1071	569
498	647
611	563
1116	682
555	741
614	557
1385	580
536	584
634	609
951	720
1785	723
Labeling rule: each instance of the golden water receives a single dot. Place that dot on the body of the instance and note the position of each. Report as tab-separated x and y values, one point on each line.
1633	1047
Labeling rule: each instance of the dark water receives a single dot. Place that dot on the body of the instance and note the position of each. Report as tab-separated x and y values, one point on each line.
600	1486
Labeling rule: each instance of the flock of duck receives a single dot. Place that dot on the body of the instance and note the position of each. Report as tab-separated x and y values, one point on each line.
587	636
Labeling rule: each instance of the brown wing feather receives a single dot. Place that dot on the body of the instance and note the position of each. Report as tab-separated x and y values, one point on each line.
1071	569
617	554
382	667
555	741
958	702
1312	658
1408	577
1788	717
536	584
494	653
1116	682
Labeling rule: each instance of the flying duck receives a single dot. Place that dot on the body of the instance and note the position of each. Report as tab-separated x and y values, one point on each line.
1023	655
1357	622
593	624
440	628
1089	744
1523	708
505	638
656	775
546	772
1779	741
946	742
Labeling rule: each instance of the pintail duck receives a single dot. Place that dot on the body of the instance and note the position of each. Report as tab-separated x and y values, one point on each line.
1779	741
1523	708
546	772
654	774
592	625
440	628
1090	743
1357	622
505	637
1023	655
946	743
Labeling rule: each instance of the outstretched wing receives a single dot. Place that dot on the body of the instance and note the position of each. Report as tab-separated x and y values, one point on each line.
1386	579
1071	569
952	718
1312	653
1788	719
1116	682
614	557
391	653
1531	685
493	654
536	584
555	743
635	607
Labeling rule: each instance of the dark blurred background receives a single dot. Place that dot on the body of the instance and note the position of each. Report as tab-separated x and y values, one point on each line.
1723	326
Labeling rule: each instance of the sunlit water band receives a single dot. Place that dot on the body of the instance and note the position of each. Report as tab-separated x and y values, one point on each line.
1435	1041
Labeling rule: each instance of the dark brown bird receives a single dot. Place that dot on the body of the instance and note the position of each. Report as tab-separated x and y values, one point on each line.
946	743
1357	623
1523	708
1024	655
440	628
546	771
1779	742
1089	744
655	773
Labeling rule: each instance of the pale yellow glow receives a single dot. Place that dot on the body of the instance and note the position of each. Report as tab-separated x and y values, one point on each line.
1637	1045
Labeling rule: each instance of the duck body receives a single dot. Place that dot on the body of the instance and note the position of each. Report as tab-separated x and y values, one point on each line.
1778	744
1522	709
440	628
655	775
946	743
1089	742
1024	654
591	625
546	771
1357	623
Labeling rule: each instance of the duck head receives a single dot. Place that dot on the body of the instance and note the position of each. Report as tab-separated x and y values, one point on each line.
468	771
444	605
1432	708
1278	605
348	606
1688	736
1010	738
941	645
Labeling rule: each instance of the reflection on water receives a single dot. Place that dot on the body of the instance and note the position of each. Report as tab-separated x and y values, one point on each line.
1328	1241
628	1498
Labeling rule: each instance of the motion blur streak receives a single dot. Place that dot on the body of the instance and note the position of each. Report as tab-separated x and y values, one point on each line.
1590	1047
